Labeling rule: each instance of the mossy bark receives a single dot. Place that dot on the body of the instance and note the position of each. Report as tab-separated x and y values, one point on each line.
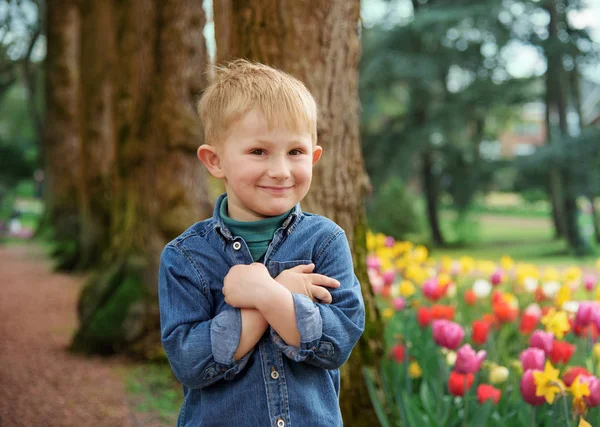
158	187
317	42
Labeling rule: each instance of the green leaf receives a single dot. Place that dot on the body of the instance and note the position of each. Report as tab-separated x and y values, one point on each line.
375	400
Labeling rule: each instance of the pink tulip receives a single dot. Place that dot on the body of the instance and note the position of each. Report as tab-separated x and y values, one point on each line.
533	358
528	389
373	262
447	334
497	277
430	288
389	242
543	340
589	282
593	384
585	313
399	303
467	361
388	277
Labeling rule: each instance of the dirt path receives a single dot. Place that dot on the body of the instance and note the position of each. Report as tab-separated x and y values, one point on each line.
41	384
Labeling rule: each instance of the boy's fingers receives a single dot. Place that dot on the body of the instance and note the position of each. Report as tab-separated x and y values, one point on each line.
319	279
304	268
321	294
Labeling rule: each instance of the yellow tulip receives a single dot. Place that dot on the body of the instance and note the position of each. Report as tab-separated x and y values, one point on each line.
556	322
387	313
547	383
498	374
596	350
407	288
414	370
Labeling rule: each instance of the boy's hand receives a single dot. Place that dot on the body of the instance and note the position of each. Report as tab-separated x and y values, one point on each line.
244	284
301	280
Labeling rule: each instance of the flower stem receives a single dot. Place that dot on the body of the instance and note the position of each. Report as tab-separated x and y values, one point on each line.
566	410
533	422
465	398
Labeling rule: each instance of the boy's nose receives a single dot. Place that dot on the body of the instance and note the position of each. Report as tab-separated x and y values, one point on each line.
278	169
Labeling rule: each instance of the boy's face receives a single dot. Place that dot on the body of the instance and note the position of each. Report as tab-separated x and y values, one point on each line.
266	172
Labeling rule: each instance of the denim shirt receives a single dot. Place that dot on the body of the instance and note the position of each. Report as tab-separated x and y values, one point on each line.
274	384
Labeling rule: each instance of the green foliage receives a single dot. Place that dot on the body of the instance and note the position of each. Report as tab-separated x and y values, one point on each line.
392	211
154	389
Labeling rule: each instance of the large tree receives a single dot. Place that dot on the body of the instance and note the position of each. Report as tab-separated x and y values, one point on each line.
62	139
318	42
147	144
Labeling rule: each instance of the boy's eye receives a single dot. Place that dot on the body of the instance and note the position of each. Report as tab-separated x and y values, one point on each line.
258	152
295	152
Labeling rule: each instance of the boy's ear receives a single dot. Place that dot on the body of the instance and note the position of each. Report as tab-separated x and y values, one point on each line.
317	151
210	158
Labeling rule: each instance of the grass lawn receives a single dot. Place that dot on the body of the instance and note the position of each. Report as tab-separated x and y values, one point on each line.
524	238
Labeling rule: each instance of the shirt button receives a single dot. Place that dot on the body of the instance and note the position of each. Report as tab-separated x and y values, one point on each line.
237	246
274	375
280	423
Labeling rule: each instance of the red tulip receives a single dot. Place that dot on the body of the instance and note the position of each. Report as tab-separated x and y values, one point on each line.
424	317
504	312
528	323
488	392
398	352
433	290
439	311
528	389
457	383
561	352
572	373
590	330
447	334
467	361
481	331
543	340
470	297
533	358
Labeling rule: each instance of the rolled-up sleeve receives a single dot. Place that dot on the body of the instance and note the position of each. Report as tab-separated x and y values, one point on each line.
200	350
328	332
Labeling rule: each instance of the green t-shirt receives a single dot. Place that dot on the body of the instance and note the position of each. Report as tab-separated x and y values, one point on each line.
256	234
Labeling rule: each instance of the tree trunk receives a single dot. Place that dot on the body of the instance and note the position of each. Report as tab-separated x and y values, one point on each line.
430	187
556	88
61	137
222	21
317	42
158	186
98	73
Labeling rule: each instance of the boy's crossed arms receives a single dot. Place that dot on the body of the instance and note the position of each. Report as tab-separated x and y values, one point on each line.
266	301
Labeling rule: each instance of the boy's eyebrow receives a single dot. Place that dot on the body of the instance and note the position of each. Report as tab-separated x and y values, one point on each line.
290	142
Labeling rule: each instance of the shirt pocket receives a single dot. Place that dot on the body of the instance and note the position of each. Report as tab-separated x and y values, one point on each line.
276	267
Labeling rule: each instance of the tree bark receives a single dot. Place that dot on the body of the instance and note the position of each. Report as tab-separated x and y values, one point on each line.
430	187
98	72
317	42
158	186
61	137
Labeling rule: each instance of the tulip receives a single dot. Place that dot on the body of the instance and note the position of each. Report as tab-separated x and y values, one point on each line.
424	317
399	303
593	384
589	282
439	311
388	277
586	312
470	297
432	289
447	334
389	242
397	353
528	323
497	277
482	288
373	262
528	389
488	392
572	373
533	358
561	352
543	340
467	361
498	374
458	384
481	331
504	312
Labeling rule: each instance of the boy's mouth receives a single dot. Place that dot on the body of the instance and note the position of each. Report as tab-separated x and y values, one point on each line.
276	190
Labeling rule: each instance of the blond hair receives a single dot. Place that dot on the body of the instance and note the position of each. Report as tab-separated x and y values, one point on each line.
240	86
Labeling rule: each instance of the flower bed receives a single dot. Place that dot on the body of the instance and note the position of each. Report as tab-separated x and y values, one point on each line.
479	343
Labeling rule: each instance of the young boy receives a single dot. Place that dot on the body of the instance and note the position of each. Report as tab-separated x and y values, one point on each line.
250	329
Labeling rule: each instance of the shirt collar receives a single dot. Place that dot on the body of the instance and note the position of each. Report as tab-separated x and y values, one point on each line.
224	231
